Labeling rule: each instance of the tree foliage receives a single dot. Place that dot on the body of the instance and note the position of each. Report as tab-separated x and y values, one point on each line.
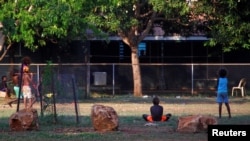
118	16
36	22
229	23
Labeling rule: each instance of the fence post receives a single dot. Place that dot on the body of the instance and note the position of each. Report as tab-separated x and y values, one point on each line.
20	87
113	81
192	78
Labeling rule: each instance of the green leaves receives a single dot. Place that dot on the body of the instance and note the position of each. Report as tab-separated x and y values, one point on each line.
231	27
36	22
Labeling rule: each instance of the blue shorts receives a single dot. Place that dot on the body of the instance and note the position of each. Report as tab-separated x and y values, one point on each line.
222	97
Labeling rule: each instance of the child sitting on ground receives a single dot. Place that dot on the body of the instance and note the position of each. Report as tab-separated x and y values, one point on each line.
156	112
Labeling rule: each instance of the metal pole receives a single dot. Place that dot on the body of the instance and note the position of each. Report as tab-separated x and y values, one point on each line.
39	85
113	82
20	87
87	61
75	98
54	98
192	78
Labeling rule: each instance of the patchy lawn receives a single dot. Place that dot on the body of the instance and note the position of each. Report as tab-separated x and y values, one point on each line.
131	125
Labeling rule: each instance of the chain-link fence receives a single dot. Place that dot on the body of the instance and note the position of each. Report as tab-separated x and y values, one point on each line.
117	79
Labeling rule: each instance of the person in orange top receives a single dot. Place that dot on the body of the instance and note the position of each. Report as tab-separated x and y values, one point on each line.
156	112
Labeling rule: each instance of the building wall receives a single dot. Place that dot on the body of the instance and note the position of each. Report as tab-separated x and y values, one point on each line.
115	51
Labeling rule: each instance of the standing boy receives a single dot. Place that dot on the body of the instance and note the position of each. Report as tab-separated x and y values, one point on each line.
26	89
222	91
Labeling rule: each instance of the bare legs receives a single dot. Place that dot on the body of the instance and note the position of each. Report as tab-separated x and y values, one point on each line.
25	103
28	103
228	109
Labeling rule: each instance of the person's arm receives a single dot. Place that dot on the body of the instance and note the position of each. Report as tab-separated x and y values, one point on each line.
217	85
151	109
30	78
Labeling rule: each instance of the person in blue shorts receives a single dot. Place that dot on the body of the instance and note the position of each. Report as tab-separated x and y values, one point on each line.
222	91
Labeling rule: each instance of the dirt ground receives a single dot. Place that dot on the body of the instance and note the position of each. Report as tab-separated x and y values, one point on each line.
132	126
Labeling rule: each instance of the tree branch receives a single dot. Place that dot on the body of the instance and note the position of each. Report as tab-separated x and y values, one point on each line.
5	52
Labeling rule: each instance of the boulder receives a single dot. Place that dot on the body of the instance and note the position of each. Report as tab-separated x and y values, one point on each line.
104	118
195	123
23	120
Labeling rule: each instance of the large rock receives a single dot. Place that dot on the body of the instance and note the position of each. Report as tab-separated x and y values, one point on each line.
195	123
24	120
104	118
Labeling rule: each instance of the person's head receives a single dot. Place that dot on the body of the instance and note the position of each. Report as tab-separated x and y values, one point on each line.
26	60
223	73
4	78
156	101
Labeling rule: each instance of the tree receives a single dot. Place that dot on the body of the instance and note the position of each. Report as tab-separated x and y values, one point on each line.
229	22
133	20
34	23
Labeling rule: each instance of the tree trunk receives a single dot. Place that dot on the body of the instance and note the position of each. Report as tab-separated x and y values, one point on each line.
136	72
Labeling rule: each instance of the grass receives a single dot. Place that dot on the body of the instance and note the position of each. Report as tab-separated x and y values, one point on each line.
131	124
